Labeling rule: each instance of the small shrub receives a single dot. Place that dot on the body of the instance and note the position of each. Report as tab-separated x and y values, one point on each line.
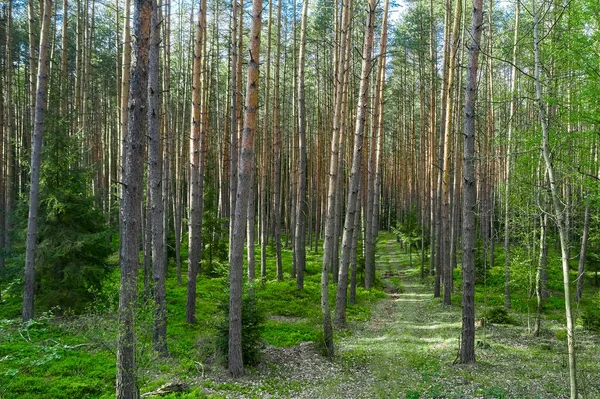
591	318
253	324
498	315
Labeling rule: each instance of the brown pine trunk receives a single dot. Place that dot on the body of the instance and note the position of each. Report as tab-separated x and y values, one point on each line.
467	347
374	229
236	252
277	152
159	262
301	207
195	193
125	75
127	387
9	137
328	242
36	156
355	173
445	233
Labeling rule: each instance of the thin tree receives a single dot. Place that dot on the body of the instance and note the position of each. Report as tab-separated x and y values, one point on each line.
236	252
509	156
467	347
131	203
36	157
194	170
301	207
328	242
159	264
557	205
355	173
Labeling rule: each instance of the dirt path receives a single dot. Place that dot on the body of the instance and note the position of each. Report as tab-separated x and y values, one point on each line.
408	348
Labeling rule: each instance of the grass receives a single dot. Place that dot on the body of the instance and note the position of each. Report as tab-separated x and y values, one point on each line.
42	359
402	347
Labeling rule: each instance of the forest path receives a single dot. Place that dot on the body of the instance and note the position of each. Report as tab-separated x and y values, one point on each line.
400	348
408	348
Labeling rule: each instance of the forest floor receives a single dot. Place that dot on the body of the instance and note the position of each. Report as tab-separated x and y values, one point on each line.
401	344
408	349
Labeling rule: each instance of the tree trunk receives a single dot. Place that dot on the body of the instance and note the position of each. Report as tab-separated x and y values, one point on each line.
159	263
541	270
301	207
328	242
194	246
277	152
236	253
355	173
131	202
509	155
374	228
36	156
445	233
557	206
467	347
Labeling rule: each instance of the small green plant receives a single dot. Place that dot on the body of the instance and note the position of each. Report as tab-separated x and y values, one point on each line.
253	324
498	315
591	318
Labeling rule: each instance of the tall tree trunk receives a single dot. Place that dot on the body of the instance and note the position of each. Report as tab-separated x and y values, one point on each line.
9	137
36	156
277	152
445	233
328	242
509	155
467	347
557	205
301	207
355	173
233	124
236	252
194	246
127	387
125	72
159	262
374	229
265	152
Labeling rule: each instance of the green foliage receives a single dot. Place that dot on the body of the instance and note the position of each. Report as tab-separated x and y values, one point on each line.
498	315
74	239
253	324
590	316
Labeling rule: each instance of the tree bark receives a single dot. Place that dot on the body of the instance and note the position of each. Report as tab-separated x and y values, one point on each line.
301	207
236	253
277	152
467	347
159	262
557	206
509	155
194	246
131	202
36	156
355	173
328	242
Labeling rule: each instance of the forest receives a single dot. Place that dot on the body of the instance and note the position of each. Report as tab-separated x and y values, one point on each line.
299	199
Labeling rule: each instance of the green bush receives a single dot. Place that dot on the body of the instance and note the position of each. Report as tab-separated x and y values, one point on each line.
253	324
73	236
498	315
591	318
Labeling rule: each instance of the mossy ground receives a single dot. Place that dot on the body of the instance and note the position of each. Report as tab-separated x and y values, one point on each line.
403	346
